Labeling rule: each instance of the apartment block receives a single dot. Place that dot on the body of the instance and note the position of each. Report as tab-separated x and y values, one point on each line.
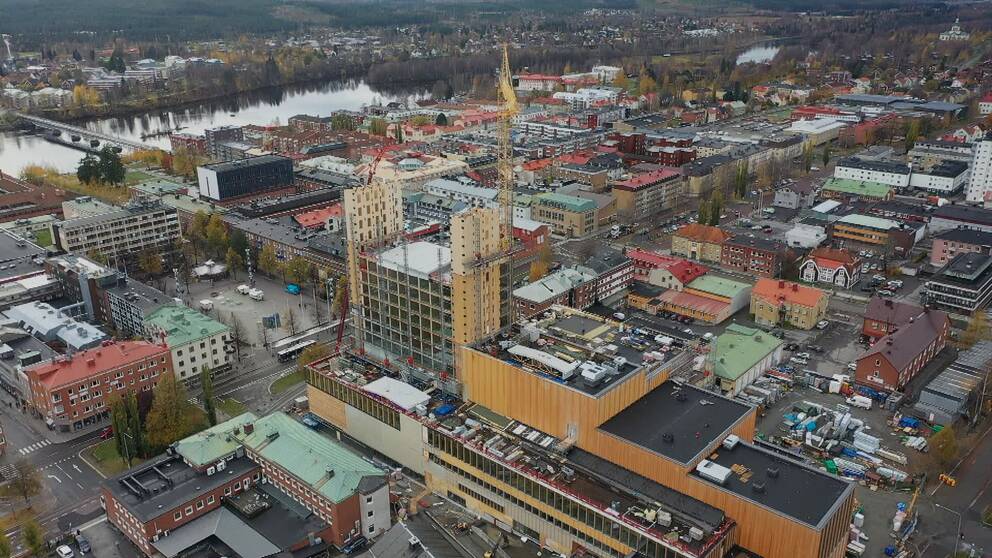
783	303
571	216
195	340
644	195
758	256
245	177
120	235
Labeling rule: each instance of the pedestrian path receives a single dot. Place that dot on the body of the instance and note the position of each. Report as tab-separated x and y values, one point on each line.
34	447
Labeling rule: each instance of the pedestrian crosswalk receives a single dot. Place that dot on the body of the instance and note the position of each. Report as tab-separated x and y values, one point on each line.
34	447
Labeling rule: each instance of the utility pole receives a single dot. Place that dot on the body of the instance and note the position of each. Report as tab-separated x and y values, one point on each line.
251	275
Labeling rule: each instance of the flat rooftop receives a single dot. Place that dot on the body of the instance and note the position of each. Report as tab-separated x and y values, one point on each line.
677	421
798	491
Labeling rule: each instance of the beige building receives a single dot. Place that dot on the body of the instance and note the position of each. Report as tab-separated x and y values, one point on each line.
641	197
699	242
568	215
411	173
783	303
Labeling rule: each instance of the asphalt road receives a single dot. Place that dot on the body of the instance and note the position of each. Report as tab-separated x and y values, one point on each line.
964	502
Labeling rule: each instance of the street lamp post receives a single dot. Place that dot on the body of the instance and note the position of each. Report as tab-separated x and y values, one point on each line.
957	536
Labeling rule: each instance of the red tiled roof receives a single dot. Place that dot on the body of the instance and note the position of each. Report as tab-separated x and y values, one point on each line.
778	291
95	361
832	258
686	271
703	233
646	179
695	302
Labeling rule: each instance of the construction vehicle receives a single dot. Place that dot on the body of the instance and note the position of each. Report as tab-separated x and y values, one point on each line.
947	479
500	540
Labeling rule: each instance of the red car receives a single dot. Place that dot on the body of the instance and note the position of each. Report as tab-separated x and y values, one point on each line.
107	433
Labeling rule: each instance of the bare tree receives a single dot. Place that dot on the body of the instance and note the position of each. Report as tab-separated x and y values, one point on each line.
237	333
291	321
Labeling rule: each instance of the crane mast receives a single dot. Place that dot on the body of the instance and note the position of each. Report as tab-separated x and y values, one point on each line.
508	109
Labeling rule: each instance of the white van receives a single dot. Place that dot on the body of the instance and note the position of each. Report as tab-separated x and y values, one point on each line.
207	305
244	289
256	294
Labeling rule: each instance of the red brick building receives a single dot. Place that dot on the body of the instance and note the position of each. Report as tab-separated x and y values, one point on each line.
73	391
759	256
883	315
189	142
898	357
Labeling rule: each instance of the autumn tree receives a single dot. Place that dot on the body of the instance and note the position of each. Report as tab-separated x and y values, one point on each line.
185	161
267	260
234	262
312	353
85	96
172	416
34	538
703	214
807	156
944	446
340	292
740	179
27	480
207	386
621	80
196	232
150	262
216	234
977	330
378	127
298	270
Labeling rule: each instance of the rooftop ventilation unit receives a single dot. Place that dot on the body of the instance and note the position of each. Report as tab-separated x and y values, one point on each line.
730	442
713	472
758	487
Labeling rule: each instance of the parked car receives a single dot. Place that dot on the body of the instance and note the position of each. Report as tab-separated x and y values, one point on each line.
107	433
243	289
64	551
895	283
83	544
885	292
800	361
879	278
822	324
804	356
355	545
852	366
815	348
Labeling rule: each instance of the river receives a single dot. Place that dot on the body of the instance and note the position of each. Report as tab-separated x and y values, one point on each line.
18	150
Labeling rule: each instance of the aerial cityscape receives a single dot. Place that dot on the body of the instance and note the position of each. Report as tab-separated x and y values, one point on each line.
460	279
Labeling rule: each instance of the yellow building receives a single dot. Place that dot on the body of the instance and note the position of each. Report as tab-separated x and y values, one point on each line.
699	242
775	302
568	215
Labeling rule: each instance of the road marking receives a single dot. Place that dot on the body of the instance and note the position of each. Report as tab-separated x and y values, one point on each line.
59	467
56	478
80	486
76	467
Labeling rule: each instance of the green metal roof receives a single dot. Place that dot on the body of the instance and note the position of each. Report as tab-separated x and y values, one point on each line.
309	456
868	221
571	203
183	325
189	204
214	443
720	286
857	187
738	349
158	187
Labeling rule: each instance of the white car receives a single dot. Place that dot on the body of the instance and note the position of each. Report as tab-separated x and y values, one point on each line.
244	289
822	324
64	552
852	366
797	360
804	356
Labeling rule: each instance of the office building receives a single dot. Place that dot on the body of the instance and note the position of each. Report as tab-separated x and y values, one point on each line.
129	303
83	281
963	286
55	325
120	235
884	315
72	392
873	170
245	177
949	243
956	216
752	255
568	215
574	287
946	178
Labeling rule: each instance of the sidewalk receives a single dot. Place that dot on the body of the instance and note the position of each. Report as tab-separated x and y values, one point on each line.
38	426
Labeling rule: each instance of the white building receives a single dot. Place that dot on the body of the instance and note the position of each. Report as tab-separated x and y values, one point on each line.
955	33
590	96
985	105
463	191
980	184
194	339
863	170
948	177
606	74
805	236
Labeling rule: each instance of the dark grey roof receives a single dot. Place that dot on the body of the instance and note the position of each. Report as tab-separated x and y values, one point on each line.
756	242
874	165
704	166
17	256
910	339
692	424
176	484
139	294
949	169
968	268
605	259
248	162
891	311
967	236
674	501
965	213
800	492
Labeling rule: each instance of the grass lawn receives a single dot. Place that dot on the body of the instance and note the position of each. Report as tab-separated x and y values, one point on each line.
104	457
132	177
231	407
43	237
286	382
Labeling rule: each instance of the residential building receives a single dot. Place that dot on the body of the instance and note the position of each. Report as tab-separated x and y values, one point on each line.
463	190
245	177
962	286
980	182
194	339
740	355
83	281
411	171
614	272
130	302
85	206
884	315
846	189
568	215
643	196
946	178
573	287
708	298
699	242
985	105
190	142
795	195
617	457
258	486
676	274
753	255
949	243
834	266
22	276
72	392
873	170
784	303
927	153
898	357
120	235
215	136
288	240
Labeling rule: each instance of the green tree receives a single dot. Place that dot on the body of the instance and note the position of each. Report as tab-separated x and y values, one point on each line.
34	538
298	270
944	445
398	132
150	262
342	122
977	330
239	241
27	480
88	170
378	127
172	417
912	133
134	425
826	155
119	422
441	119
111	167
703	216
234	261
207	385
740	179
5	547
267	260
716	207
807	156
